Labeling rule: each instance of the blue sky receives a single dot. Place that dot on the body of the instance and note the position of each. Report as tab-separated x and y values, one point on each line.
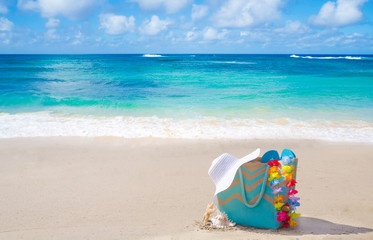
186	26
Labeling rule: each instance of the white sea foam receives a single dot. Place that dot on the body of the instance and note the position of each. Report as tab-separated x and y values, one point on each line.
327	58
46	124
356	58
152	55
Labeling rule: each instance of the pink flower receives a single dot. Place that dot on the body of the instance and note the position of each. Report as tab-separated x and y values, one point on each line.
282	216
293	191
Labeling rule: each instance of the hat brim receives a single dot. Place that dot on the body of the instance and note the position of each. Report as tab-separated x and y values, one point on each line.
228	177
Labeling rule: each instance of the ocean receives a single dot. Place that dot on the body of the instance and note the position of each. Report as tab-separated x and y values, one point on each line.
198	96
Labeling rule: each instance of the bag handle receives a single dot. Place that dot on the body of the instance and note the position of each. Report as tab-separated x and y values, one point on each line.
261	191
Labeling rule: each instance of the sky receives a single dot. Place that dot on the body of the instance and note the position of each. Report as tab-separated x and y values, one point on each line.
186	26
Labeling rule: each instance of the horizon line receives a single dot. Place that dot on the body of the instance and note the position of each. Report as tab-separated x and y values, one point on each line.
186	54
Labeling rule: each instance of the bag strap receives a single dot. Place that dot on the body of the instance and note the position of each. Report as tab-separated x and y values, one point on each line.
261	191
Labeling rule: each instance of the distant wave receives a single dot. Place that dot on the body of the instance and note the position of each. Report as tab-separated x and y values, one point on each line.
294	56
46	124
152	55
330	57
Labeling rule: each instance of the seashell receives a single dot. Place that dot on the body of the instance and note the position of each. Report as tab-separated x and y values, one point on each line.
221	221
209	210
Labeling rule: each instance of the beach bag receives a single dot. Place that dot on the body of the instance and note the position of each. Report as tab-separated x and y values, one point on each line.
262	192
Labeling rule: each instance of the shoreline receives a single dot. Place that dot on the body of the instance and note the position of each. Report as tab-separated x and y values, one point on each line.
111	187
149	140
44	124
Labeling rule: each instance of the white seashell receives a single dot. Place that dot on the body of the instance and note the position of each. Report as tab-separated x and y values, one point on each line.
221	221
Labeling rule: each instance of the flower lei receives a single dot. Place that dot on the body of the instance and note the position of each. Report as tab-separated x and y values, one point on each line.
277	173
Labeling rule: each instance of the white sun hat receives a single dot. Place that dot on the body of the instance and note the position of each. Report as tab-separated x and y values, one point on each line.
224	168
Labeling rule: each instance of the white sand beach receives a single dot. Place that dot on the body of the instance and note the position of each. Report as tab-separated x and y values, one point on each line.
115	188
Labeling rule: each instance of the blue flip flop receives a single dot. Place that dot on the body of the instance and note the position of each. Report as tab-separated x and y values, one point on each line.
270	155
288	153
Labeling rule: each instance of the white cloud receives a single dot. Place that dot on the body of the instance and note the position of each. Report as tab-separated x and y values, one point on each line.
51	34
78	38
207	34
355	35
5	37
171	6
73	9
210	33
154	26
199	11
191	35
116	24
243	13
353	38
6	27
5	24
295	27
52	23
340	13
3	9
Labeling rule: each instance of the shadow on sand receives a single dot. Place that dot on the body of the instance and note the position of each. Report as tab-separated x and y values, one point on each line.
312	226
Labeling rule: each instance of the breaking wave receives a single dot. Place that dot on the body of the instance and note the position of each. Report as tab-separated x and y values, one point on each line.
152	55
328	57
38	124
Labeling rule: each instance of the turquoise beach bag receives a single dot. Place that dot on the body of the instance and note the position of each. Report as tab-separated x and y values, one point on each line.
249	200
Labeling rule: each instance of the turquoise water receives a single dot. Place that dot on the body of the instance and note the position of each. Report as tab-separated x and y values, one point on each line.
267	89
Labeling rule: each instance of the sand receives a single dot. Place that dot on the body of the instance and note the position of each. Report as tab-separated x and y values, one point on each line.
115	188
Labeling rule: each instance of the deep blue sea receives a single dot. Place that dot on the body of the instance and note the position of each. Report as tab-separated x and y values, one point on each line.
328	97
